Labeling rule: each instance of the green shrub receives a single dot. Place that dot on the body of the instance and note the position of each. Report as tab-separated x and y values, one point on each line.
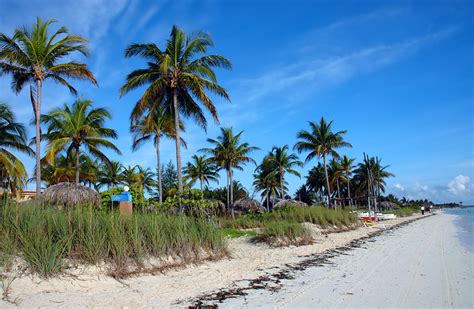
138	199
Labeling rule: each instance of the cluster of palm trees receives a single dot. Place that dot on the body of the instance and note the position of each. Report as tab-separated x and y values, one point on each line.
177	81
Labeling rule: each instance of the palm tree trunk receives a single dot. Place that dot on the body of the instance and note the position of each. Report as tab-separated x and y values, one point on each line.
77	165
268	203
231	195
349	190
38	138
178	140
158	160
327	180
201	183
282	187
228	192
338	191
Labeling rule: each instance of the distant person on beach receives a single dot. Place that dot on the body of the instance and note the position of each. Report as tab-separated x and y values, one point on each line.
422	210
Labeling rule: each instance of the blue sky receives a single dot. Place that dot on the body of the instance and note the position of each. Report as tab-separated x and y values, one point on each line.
398	75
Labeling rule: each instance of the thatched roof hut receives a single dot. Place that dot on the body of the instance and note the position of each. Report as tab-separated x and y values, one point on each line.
69	194
247	205
388	205
284	203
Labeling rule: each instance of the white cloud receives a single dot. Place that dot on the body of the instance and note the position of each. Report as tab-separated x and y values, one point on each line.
460	185
399	187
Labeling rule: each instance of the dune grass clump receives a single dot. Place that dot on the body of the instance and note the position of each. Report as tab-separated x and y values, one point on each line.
404	212
47	239
280	234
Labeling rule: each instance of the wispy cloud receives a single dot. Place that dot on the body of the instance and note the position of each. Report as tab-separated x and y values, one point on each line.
315	74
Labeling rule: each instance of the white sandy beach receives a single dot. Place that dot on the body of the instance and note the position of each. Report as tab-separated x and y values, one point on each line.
419	264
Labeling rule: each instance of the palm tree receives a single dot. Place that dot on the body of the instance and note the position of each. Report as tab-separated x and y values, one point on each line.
266	181
336	173
110	174
32	57
200	169
315	181
156	124
321	142
283	162
12	137
347	165
71	127
145	180
177	77
370	176
229	153
129	176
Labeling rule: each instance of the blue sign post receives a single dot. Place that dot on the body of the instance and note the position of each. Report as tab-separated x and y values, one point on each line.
125	201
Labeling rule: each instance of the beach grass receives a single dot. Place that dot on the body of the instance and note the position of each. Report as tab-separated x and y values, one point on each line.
47	238
404	212
321	216
279	234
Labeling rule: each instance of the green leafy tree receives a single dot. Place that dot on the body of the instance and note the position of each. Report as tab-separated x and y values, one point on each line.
170	179
321	142
145	179
34	56
305	195
229	153
202	169
76	126
178	76
12	137
129	176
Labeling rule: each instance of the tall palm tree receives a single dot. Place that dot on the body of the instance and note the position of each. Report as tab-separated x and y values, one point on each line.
71	127
229	153
284	162
178	76
32	57
12	137
156	124
110	174
321	142
347	165
201	169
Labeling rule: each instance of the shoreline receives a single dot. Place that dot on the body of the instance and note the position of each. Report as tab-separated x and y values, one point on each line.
247	261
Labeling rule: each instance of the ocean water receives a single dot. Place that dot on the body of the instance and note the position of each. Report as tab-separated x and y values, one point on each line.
465	225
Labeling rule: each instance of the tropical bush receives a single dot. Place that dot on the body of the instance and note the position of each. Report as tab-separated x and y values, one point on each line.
48	240
138	198
190	202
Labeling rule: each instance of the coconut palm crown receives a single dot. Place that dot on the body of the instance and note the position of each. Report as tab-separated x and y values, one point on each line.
71	127
284	162
178	76
202	169
33	56
321	142
12	137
